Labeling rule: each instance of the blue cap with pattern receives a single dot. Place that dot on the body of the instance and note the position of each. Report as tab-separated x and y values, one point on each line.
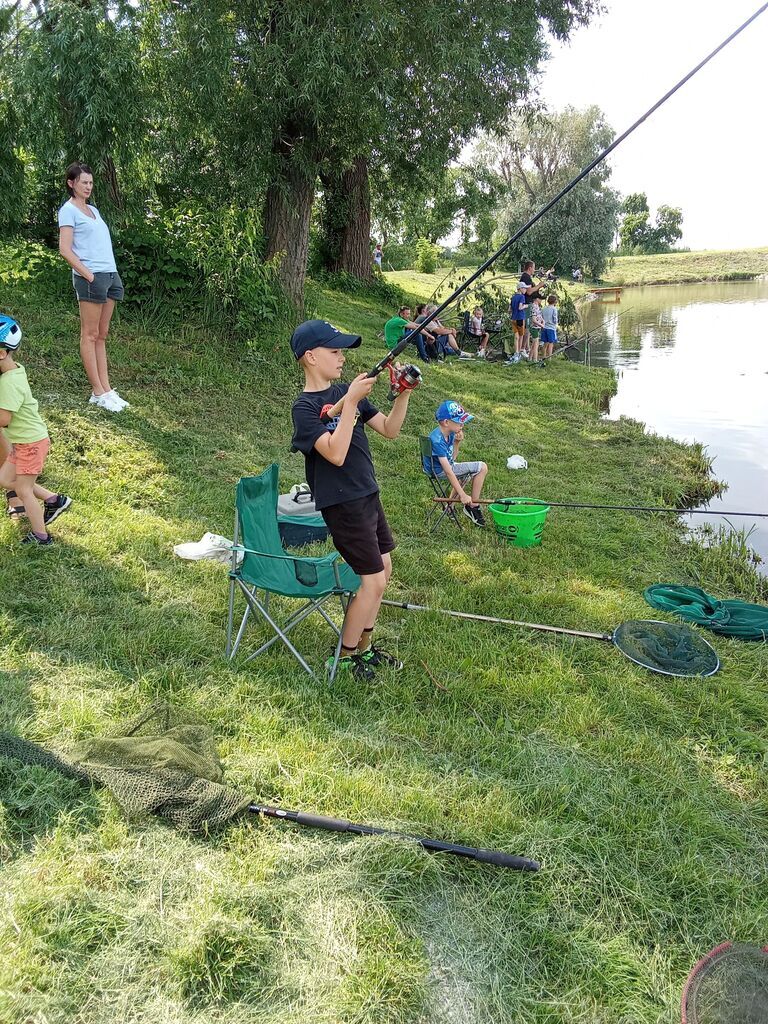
454	412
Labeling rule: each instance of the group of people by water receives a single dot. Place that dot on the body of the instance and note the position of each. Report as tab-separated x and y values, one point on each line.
531	334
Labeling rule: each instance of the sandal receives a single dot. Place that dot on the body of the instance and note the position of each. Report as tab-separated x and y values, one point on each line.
14	511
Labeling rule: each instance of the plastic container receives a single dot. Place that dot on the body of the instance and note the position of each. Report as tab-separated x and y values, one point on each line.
520	520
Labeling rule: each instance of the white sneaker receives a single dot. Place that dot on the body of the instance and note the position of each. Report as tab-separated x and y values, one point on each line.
465	355
107	403
480	354
118	399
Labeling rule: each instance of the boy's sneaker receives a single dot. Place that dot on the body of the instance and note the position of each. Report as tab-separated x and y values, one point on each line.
32	538
475	513
376	656
465	355
354	665
54	510
106	402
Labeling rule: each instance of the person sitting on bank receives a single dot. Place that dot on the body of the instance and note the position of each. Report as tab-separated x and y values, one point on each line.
397	326
446	336
432	348
445	440
477	328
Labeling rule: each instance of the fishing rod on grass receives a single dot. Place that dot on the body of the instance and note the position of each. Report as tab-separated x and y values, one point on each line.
497	857
560	195
610	508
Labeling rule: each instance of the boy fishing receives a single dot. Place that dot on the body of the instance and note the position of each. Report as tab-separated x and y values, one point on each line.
340	473
28	437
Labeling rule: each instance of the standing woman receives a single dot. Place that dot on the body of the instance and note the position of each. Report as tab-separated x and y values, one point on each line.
86	245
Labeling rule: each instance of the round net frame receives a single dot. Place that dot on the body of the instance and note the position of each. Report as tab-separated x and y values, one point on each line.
671	648
728	986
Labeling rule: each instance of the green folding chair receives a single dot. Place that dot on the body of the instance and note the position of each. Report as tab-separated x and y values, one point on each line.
266	567
440	488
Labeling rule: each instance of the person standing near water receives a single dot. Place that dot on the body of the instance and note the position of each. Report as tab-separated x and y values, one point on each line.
86	245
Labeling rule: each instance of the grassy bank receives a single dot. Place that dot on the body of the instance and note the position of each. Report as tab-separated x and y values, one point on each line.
663	268
687	267
643	796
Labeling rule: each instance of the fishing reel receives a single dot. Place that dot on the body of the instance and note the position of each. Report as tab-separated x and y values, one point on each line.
403	378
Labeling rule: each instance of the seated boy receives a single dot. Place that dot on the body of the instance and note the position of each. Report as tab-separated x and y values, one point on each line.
28	437
446	438
339	471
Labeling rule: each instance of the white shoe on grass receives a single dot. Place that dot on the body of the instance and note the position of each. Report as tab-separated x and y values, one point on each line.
107	403
118	399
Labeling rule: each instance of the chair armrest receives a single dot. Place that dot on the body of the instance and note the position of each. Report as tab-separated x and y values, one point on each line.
328	559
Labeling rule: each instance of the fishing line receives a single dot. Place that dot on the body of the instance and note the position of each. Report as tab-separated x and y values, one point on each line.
610	508
582	174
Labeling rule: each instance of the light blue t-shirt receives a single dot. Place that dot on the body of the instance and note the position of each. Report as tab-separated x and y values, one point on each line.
91	241
549	316
442	447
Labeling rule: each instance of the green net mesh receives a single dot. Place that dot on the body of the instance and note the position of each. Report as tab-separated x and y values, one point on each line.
667	647
164	762
730	988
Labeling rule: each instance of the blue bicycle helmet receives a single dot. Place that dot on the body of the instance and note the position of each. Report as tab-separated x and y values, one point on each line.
10	333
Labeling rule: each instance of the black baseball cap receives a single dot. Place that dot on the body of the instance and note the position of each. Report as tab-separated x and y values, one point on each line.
320	334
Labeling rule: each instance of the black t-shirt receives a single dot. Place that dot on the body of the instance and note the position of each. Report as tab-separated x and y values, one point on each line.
529	281
333	485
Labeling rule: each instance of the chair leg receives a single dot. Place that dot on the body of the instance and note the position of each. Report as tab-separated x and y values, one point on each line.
345	603
244	622
230	618
258	605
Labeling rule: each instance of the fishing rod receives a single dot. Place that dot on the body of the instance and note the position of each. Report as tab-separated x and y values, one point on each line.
581	175
611	508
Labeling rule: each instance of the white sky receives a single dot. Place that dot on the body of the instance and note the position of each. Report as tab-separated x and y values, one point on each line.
705	149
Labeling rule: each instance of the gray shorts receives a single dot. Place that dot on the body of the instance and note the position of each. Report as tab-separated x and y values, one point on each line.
467	468
104	286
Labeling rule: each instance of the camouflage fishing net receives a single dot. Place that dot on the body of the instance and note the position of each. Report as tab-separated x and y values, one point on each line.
666	647
164	762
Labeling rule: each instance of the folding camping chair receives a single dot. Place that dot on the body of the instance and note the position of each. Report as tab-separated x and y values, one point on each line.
267	567
440	487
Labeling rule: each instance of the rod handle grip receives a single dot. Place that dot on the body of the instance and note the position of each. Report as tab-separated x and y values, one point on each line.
321	821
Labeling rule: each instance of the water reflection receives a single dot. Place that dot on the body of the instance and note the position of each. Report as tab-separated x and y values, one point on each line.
692	362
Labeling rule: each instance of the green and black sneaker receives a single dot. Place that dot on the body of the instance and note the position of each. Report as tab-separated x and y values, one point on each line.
376	656
354	664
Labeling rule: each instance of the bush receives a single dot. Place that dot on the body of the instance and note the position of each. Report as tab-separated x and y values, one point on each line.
28	261
427	256
399	255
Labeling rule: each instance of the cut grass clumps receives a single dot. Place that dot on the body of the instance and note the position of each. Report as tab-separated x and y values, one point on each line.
644	797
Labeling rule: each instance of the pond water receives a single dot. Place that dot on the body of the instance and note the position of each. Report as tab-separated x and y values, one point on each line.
692	363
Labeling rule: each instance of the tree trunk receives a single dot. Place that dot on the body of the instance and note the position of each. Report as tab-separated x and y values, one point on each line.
287	216
347	221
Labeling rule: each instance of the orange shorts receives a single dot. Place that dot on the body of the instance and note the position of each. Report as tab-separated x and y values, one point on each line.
29	459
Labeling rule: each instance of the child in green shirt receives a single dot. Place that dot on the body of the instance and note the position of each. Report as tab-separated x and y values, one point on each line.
28	436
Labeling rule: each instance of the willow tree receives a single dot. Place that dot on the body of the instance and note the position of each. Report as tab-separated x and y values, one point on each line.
535	155
74	85
318	90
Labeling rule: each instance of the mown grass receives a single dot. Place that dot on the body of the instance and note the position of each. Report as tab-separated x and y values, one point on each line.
643	796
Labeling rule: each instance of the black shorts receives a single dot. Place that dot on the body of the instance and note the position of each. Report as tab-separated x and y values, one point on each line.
361	533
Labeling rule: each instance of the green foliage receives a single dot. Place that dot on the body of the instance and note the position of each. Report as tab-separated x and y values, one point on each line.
21	260
567	312
399	255
90	107
427	256
12	207
536	156
639	237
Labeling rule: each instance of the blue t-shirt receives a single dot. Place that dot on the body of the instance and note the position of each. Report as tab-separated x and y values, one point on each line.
91	241
442	447
518	299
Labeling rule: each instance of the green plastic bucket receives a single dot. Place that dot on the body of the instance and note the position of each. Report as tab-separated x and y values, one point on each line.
521	524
